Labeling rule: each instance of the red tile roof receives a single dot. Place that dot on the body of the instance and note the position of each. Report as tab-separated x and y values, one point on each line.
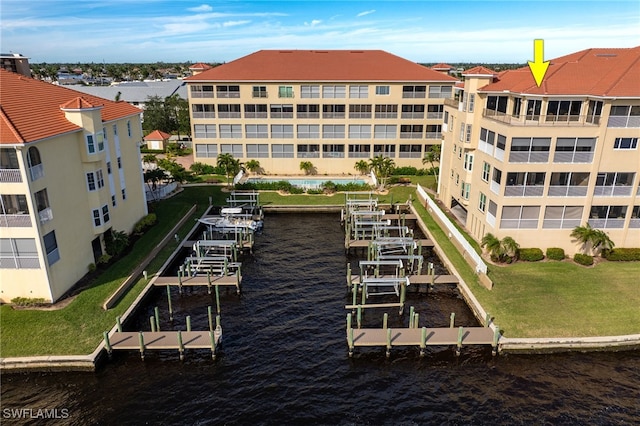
442	67
321	65
596	72
200	66
157	135
31	109
479	70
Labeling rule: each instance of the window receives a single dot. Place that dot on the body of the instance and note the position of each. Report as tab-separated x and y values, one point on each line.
482	202
440	92
568	184
329	91
360	151
496	179
497	104
18	253
468	161
308	111
414	91
309	91
465	188
574	150
493	209
113	200
614	184
333	131
624	116
412	111
14	204
517	107
228	91
119	160
99	179
285	91
382	90
204	131
607	216
95	214
91	181
357	131
358	91
8	159
533	109
115	130
384	151
281	111
457	178
254	131
384	131
203	111
332	151
124	193
359	111
308	151
51	247
386	111
562	217
594	111
411	131
206	150
101	216
410	151
42	204
460	152
283	131
524	184
308	131
91	147
281	150
201	91
520	217
468	135
472	100
529	150
486	169
462	130
434	112
259	91
625	143
257	150
129	128
563	111
333	111
229	111
230	131
233	149
255	111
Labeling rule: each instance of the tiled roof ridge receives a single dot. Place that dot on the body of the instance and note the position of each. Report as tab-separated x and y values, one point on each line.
160	133
620	78
80	102
10	126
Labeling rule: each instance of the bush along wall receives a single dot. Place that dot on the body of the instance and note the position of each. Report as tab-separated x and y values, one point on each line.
583	259
622	254
555	253
531	254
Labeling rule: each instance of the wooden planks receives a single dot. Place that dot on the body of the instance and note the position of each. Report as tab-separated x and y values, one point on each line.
199	280
420	279
413	336
160	340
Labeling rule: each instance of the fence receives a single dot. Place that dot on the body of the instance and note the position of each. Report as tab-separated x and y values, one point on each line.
469	252
160	192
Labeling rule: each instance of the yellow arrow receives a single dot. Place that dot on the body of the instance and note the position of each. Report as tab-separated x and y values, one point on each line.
538	66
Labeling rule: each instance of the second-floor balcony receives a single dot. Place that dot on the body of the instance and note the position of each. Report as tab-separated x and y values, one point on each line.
541	120
455	103
22	220
10	176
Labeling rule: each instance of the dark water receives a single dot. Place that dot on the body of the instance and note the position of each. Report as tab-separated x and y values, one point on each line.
284	360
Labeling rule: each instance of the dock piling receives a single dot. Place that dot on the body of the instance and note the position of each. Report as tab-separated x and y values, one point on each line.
156	313
107	343
452	319
188	322
411	318
217	299
180	345
487	320
459	345
152	321
388	342
423	340
496	336
141	340
210	315
169	302
385	320
212	336
359	317
119	323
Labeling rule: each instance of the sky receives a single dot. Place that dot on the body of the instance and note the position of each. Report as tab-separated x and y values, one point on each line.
85	31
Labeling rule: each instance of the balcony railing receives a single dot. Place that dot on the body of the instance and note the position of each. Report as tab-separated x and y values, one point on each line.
410	135
360	114
204	114
541	120
333	115
413	115
495	187
10	176
434	135
387	114
282	114
308	155
202	94
523	190
45	215
255	115
414	95
573	157
36	172
529	157
15	220
567	191
233	114
410	155
228	94
308	115
353	154
624	121
634	223
23	262
329	154
612	191
452	102
606	223
435	115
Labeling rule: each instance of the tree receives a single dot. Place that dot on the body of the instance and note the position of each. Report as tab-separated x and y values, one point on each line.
229	164
505	250
149	159
154	176
155	116
432	156
178	114
510	248
307	167
362	167
253	166
592	239
492	244
382	167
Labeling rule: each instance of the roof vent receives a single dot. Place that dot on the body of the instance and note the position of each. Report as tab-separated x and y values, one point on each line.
606	55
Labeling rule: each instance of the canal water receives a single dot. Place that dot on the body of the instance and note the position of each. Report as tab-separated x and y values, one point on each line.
284	360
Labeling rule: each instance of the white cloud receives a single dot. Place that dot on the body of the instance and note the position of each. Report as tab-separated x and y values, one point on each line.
234	23
313	23
366	12
201	8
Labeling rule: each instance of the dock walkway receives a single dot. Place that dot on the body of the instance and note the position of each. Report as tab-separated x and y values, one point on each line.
201	280
165	340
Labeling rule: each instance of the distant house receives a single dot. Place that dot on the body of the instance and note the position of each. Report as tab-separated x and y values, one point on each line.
443	68
198	68
157	140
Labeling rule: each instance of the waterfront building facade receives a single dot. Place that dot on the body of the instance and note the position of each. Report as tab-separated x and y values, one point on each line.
70	173
535	162
331	108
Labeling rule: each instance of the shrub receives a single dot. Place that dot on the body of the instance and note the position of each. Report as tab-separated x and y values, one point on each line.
28	301
623	254
92	267
116	242
555	253
104	259
407	170
329	187
202	169
583	259
531	254
145	223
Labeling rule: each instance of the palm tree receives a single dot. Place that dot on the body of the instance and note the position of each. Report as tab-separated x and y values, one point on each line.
505	250
432	156
307	167
510	248
382	167
591	239
362	167
149	159
492	244
253	166
229	164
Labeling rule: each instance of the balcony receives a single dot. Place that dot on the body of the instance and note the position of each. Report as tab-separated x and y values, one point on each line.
22	262
255	115
612	191
567	191
10	176
204	115
36	172
634	223
573	157
15	220
308	154
201	94
455	103
602	223
354	154
308	115
386	114
45	215
529	157
523	190
412	115
434	135
541	120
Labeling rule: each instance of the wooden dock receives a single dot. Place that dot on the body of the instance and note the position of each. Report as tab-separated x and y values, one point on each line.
201	280
425	242
164	340
420	279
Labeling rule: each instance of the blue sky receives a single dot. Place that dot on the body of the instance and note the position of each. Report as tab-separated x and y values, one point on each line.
220	31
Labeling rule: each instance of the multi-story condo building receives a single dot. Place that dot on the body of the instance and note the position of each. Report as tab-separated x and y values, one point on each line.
332	108
69	172
535	162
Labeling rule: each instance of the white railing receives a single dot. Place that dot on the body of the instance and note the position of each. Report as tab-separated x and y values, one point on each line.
45	215
612	191
566	191
10	176
24	262
495	187
161	192
15	221
374	179
453	231
606	223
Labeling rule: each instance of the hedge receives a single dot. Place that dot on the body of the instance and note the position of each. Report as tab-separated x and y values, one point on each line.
145	223
623	254
555	253
583	259
530	254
